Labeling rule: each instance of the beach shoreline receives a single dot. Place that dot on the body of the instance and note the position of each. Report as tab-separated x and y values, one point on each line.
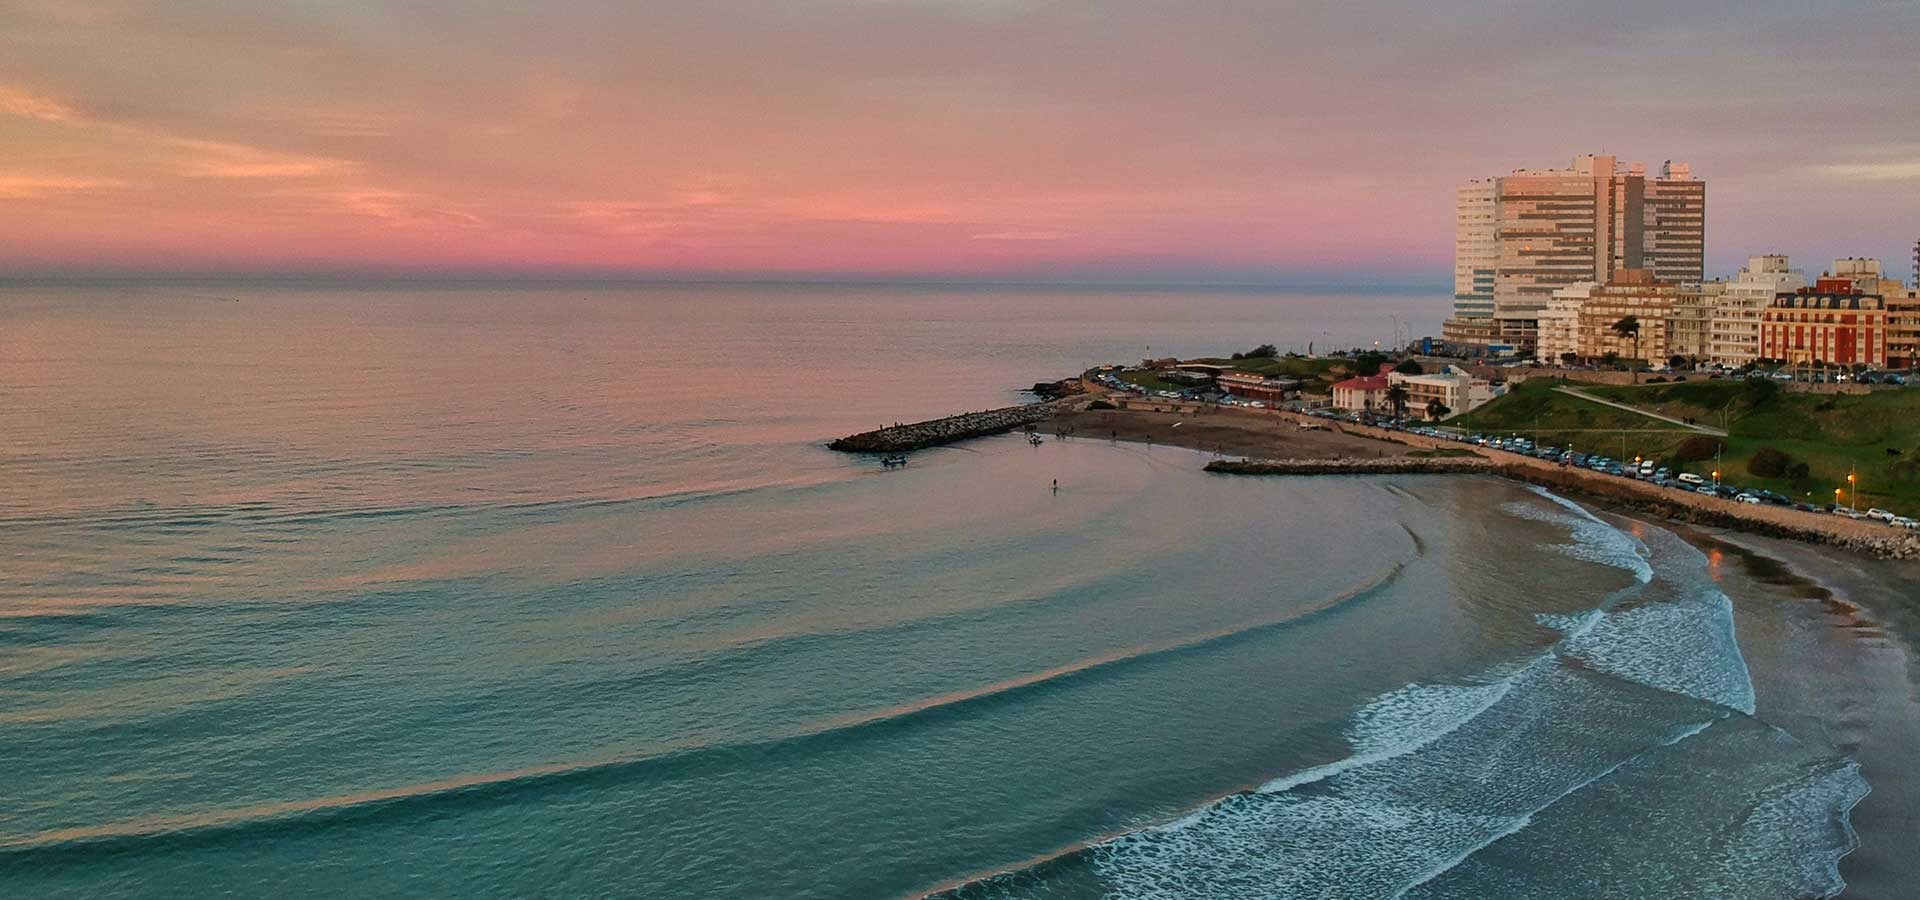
1278	442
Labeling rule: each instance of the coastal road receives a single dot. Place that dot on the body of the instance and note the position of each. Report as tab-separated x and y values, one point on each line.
1576	392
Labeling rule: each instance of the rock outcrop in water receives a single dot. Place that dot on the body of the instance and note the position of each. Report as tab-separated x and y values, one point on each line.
918	435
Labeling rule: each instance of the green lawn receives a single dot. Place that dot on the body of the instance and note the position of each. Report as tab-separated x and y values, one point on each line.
1534	409
1832	434
1316	375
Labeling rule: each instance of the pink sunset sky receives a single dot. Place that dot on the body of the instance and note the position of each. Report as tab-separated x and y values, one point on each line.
1230	141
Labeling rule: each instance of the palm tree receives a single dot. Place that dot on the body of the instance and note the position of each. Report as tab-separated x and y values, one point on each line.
1397	398
1630	327
1437	410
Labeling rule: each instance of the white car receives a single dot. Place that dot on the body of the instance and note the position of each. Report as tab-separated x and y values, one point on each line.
1691	478
1881	514
1748	498
1904	522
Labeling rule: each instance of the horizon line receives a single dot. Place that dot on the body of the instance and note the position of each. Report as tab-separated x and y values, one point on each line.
654	279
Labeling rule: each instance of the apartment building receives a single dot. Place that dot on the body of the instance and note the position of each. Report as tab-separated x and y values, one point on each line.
1559	329
1734	333
1690	328
1827	324
1556	227
1635	293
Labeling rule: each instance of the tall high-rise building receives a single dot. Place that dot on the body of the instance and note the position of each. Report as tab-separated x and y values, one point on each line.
1475	253
1557	227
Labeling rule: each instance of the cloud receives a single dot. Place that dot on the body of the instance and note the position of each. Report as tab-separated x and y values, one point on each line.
396	208
221	159
19	101
1020	235
1908	170
18	186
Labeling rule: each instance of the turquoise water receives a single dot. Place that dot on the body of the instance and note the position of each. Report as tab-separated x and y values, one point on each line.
554	592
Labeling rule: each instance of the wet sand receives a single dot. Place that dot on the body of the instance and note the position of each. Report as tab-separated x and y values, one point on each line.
1832	640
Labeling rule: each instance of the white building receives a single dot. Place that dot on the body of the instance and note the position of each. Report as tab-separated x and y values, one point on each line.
1733	338
1475	250
1457	390
1560	322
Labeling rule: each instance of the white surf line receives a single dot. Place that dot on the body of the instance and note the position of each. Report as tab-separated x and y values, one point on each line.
1522	822
1643	570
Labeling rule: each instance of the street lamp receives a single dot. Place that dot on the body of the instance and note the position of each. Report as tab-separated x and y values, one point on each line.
1716	476
1836	498
1854	483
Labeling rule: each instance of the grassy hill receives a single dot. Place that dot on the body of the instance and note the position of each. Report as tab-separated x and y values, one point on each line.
1831	434
1316	374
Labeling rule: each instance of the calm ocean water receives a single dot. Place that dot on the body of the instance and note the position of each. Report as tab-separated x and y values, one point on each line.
509	593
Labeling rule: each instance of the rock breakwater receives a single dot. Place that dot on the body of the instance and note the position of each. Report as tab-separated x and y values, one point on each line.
918	435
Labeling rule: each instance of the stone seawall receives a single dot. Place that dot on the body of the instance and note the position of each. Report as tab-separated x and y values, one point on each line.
1392	465
918	435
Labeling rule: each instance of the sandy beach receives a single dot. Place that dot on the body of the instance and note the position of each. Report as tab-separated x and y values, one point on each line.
1831	640
1214	430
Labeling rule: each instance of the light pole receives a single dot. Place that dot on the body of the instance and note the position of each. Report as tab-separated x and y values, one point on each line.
1836	498
1853	501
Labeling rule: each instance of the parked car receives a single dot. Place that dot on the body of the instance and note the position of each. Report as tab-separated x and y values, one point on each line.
1704	489
1748	498
1881	514
1691	478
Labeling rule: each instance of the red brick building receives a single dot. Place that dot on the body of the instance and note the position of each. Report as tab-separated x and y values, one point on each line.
1829	323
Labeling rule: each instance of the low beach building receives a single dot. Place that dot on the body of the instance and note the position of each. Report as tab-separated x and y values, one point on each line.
1254	386
1456	389
1362	394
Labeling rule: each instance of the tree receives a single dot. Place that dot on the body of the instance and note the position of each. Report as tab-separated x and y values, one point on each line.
1409	366
1569	359
1610	359
1264	351
1397	398
1629	327
1769	462
1437	410
1677	363
1368	363
1696	448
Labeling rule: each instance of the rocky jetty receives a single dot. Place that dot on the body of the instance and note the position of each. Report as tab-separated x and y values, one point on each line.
918	435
